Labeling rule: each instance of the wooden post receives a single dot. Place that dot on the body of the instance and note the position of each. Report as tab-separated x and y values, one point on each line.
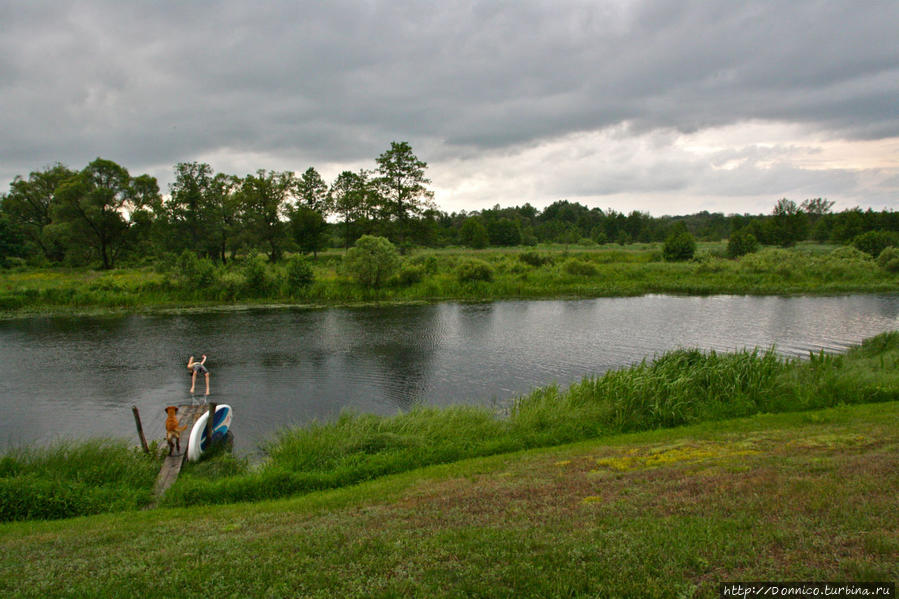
209	420
140	429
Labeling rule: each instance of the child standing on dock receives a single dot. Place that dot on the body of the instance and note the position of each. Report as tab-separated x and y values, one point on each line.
196	367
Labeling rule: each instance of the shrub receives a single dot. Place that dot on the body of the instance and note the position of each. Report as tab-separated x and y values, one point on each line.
372	260
474	270
850	254
892	265
888	255
299	273
427	263
576	267
874	242
742	242
410	274
193	270
679	247
257	278
533	258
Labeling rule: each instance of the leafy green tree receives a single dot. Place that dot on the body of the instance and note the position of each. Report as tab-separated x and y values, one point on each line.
402	185
12	242
741	242
94	208
473	233
349	194
680	244
264	198
815	209
187	205
223	214
504	232
312	192
29	207
874	242
372	260
309	229
847	225
789	223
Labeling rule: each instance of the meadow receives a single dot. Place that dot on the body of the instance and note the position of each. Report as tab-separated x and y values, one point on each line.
446	274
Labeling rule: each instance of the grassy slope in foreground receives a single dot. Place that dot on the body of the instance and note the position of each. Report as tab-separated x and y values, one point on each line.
801	496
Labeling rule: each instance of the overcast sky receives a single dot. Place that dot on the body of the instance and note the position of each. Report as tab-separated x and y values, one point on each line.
669	107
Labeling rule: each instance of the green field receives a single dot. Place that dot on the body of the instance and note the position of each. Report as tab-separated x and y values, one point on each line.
437	275
669	513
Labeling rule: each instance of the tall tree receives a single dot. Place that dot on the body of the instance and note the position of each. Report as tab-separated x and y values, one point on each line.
264	200
309	229
29	206
12	243
348	193
223	214
312	192
186	205
789	223
95	207
402	184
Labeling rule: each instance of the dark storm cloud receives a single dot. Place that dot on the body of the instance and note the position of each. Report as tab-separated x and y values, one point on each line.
153	83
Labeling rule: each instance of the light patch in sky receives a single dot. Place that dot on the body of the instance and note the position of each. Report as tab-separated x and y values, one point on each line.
666	172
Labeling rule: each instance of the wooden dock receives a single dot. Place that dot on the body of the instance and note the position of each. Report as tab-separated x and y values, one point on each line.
171	467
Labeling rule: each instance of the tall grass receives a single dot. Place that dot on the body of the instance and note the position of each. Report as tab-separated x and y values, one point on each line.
74	478
679	387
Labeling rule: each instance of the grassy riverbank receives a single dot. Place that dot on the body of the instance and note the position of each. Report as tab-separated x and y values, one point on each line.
449	275
677	388
667	513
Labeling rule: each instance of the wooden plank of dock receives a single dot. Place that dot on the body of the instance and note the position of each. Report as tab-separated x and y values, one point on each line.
171	467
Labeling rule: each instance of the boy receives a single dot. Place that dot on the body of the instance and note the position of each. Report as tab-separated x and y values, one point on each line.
197	367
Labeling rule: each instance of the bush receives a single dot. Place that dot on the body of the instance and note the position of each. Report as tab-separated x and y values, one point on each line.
372	260
193	270
427	262
258	281
533	258
410	274
874	242
299	273
679	247
850	254
885	256
889	259
742	242
576	267
474	270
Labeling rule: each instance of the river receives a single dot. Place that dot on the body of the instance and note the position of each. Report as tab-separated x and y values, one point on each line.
75	377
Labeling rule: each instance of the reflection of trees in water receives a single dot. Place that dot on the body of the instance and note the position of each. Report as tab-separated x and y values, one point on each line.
398	346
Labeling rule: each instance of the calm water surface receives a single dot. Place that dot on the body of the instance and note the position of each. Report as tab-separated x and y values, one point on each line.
78	377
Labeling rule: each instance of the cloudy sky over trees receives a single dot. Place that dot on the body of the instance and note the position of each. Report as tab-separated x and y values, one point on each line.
668	107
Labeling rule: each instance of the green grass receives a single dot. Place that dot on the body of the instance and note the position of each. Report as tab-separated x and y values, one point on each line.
433	275
74	478
663	513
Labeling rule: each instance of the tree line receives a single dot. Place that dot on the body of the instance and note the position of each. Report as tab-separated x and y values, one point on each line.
103	215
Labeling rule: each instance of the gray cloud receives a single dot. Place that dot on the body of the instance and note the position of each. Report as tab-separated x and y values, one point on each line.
151	84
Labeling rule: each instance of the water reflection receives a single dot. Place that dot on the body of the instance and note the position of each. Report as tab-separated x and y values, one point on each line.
79	376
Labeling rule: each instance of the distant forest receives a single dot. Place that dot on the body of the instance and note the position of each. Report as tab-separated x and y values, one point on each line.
102	215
